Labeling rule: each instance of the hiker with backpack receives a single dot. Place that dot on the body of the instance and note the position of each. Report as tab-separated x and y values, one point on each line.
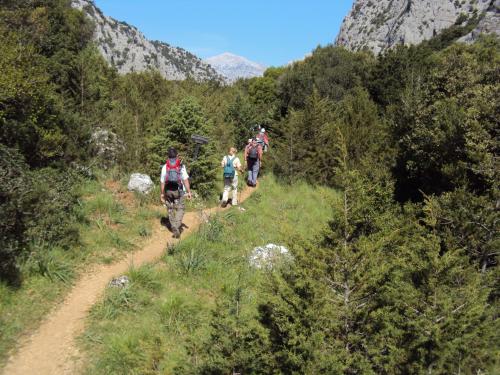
231	164
253	161
263	139
174	188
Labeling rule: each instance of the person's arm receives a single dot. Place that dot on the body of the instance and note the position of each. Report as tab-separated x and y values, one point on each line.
163	177
162	194
185	181
223	162
188	187
259	151
237	163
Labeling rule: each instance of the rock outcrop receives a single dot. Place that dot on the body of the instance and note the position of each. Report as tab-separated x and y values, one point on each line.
127	49
381	24
106	147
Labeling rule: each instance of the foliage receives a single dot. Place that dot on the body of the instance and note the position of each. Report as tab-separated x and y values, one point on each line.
378	295
14	187
445	127
389	287
181	122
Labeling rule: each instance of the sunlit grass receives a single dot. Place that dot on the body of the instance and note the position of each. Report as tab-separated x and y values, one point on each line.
109	227
150	323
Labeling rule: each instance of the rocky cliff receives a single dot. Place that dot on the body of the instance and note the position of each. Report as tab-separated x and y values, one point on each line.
126	48
381	24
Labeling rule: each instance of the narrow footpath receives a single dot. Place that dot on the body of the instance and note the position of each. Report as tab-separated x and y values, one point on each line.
52	350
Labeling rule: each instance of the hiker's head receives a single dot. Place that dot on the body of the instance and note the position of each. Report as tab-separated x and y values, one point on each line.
232	151
262	130
172	153
254	141
250	140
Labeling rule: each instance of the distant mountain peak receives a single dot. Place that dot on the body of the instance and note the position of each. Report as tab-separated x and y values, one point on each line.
128	50
234	67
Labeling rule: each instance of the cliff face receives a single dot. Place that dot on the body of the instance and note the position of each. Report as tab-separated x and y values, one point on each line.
381	24
127	49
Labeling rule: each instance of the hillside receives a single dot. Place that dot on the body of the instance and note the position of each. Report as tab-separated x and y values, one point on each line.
234	67
379	189
127	49
379	25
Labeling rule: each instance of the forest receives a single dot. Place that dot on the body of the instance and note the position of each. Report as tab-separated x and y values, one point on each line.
405	277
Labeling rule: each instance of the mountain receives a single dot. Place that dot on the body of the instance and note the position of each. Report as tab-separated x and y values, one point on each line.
127	49
382	24
234	66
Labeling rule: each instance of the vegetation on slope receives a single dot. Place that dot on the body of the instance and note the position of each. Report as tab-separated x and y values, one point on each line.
405	280
165	314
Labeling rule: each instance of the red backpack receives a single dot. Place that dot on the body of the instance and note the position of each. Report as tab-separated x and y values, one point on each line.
173	179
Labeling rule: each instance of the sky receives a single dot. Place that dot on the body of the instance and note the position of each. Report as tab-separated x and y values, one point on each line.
270	32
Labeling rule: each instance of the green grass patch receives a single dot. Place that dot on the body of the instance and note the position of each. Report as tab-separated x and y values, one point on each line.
109	226
147	326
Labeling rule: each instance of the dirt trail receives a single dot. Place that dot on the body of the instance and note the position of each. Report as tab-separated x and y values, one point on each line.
51	350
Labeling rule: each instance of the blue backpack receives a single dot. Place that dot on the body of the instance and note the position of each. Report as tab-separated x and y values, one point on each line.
229	170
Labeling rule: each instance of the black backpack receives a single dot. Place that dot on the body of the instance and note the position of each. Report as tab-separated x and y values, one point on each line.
253	153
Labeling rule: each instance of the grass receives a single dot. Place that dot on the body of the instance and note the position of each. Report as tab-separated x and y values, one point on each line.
111	223
146	327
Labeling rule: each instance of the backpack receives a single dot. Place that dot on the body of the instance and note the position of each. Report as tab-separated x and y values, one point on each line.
173	180
253	153
229	170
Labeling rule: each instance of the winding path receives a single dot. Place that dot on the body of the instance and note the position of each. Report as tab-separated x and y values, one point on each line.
51	350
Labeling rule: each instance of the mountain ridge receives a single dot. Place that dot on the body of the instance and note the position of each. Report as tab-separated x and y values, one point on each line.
127	49
383	24
234	66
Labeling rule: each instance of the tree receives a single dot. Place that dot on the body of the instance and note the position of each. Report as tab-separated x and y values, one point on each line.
181	122
445	125
236	342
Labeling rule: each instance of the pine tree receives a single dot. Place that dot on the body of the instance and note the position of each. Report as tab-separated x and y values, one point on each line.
236	344
181	122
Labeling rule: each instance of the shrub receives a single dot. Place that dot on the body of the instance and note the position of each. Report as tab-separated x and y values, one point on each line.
14	185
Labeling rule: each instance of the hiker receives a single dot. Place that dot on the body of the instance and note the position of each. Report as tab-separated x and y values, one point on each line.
253	161
174	187
263	139
231	164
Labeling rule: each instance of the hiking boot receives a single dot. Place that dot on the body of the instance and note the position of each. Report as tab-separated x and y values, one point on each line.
176	233
224	204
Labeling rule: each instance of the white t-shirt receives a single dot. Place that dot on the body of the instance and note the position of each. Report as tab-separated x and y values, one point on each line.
184	175
236	163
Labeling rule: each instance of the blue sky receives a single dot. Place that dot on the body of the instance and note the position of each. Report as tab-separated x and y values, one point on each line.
271	32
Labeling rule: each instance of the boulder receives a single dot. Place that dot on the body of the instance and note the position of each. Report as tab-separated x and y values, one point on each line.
141	183
269	256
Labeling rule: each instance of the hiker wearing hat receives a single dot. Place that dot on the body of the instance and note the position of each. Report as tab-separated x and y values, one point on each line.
253	160
174	188
263	139
231	164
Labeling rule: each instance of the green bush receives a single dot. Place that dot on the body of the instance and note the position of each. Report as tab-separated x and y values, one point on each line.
14	201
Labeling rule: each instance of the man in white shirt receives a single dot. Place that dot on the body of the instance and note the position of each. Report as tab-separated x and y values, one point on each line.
231	164
174	187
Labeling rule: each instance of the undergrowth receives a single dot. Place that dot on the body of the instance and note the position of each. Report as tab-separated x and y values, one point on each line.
109	220
148	326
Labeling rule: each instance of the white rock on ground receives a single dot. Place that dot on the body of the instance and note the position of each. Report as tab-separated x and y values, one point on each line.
119	282
269	256
141	183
